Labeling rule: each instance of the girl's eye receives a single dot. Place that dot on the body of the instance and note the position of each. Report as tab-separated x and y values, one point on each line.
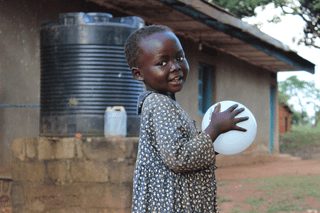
162	63
180	58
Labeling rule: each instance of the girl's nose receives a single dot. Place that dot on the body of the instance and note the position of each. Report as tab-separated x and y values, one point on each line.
174	66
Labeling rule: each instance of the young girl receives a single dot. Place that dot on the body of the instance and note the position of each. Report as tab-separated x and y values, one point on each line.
175	164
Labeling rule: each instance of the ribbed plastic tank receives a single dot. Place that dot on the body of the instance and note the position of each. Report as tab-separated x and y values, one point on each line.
84	71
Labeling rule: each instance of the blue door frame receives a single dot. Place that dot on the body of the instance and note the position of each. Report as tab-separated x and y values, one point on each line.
272	92
205	77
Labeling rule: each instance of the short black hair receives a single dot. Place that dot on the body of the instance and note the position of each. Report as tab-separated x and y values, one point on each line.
131	47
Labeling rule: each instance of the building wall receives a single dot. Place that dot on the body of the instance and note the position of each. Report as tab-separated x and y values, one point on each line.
284	120
19	70
234	80
20	64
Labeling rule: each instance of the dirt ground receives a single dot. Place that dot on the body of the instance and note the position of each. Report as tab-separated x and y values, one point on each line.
310	152
234	193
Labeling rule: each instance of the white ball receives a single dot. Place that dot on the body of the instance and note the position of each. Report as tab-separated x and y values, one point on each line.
233	142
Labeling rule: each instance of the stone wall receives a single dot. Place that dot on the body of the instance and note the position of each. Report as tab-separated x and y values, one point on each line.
73	175
5	195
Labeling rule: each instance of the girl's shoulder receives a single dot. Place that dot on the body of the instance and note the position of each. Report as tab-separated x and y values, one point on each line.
157	98
153	99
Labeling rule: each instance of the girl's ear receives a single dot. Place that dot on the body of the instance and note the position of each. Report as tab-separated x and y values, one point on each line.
137	73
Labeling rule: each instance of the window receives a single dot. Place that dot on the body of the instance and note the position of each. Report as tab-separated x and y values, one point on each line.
206	73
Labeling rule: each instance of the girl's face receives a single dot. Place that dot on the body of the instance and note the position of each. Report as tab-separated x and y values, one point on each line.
162	65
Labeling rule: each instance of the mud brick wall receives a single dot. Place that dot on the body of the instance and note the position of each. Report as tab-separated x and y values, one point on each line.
73	175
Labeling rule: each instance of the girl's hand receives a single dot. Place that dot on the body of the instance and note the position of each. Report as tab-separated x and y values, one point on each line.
226	121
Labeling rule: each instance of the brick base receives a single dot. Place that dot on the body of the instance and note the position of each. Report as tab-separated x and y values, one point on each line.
73	175
5	195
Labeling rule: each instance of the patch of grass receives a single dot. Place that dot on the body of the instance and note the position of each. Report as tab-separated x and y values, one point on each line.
298	194
255	201
307	127
299	136
222	183
314	192
223	199
304	183
284	194
235	210
279	207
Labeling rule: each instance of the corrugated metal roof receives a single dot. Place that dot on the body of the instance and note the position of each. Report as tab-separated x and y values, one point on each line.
217	28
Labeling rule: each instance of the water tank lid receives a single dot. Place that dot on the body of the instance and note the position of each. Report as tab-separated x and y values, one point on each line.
100	17
79	18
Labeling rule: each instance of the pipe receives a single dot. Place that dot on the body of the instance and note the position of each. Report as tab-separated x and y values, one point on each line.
19	105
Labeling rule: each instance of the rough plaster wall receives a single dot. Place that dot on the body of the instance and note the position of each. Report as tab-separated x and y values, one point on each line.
19	70
234	80
20	64
250	86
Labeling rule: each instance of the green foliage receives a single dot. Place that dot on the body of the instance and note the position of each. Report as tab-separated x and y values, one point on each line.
308	10
292	87
299	137
283	98
314	99
299	118
241	8
305	93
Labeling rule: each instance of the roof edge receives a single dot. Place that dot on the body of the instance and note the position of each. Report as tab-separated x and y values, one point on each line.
206	13
235	21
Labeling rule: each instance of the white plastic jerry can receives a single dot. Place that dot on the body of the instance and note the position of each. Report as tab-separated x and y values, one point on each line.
115	121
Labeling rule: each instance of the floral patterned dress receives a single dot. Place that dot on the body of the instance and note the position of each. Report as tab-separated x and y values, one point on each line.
175	164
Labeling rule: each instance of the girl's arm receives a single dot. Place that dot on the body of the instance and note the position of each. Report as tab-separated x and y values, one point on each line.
180	147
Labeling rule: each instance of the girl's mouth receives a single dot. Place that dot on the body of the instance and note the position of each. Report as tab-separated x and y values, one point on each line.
177	80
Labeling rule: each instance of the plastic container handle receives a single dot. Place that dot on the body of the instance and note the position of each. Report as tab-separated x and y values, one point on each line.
116	108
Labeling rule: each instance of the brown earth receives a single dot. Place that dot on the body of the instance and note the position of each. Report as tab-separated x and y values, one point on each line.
234	193
272	169
312	151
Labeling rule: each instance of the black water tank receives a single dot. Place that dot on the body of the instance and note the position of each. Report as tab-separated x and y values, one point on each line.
83	71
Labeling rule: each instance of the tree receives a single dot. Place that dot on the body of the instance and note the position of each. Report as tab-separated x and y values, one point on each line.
296	89
283	98
298	118
314	100
308	10
242	8
305	93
